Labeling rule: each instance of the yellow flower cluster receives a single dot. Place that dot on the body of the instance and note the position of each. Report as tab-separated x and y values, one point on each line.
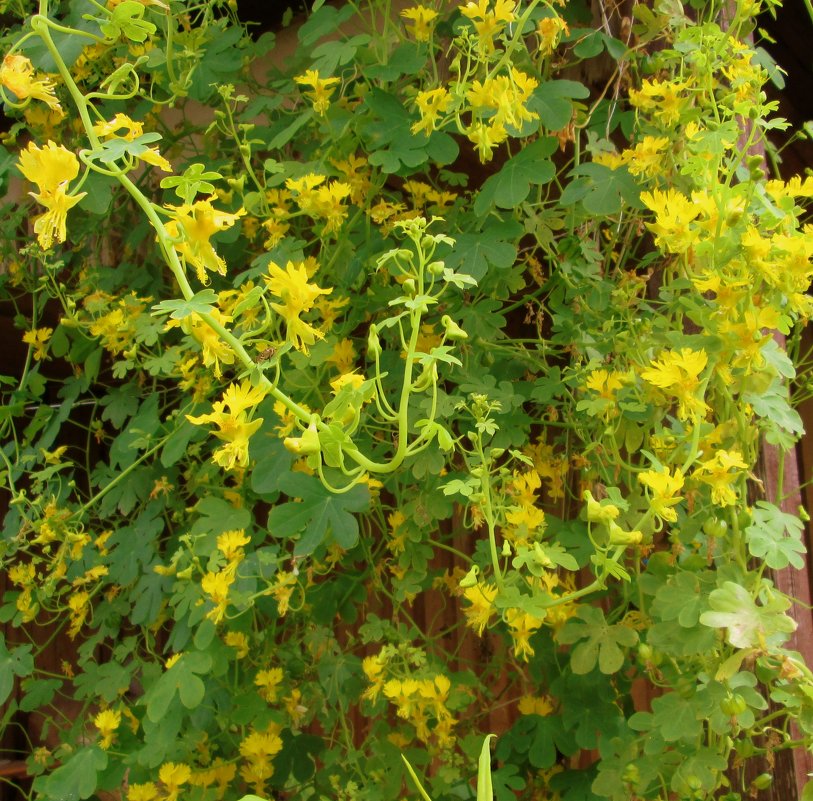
321	90
235	426
321	199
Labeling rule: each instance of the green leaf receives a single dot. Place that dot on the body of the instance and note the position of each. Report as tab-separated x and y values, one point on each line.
320	513
511	185
493	247
749	624
16	662
194	180
775	537
601	190
203	302
38	692
76	778
772	404
128	20
599	642
217	515
484	787
552	101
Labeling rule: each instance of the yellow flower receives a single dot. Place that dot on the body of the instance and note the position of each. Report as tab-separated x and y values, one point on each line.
431	104
488	23
422	19
481	597
533	705
17	75
38	339
321	200
107	721
664	488
343	356
550	30
142	792
322	88
716	473
267	681
647	157
673	213
230	544
216	586
298	296
678	374
51	168
193	226
173	776
238	640
521	626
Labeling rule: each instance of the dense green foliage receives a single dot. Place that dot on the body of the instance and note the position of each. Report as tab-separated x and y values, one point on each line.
472	308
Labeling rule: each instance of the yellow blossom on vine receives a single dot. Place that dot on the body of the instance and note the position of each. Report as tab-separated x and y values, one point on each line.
343	356
481	597
664	99
239	641
282	590
234	427
321	90
297	297
192	226
677	372
216	586
664	487
268	681
550	30
107	721
173	776
647	157
79	608
422	19
488	22
17	75
373	667
38	339
521	626
673	213
230	544
716	472
321	199
535	705
52	168
431	104
142	792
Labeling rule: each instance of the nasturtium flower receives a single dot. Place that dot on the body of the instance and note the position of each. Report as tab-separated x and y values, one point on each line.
431	103
481	597
268	682
193	225
173	776
38	339
488	22
107	721
216	587
677	372
52	168
422	19
321	90
550	30
17	75
238	641
535	705
673	214
716	472
142	792
521	627
297	297
664	487
230	544
599	512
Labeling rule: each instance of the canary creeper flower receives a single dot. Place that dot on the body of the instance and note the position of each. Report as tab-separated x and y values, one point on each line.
422	20
268	682
192	226
321	90
431	104
173	776
52	168
107	721
142	792
123	127
550	30
716	472
17	75
38	339
664	487
481	597
673	214
297	297
678	374
487	22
